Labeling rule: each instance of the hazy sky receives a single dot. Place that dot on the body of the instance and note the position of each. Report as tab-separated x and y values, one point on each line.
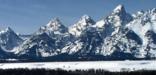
26	16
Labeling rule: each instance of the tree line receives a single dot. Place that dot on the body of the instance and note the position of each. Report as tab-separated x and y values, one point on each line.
76	72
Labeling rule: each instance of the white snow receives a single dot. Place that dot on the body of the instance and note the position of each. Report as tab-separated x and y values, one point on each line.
118	8
11	59
54	24
84	22
86	65
100	24
73	48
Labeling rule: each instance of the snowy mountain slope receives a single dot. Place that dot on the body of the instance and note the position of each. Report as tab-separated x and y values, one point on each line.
91	39
86	44
116	36
77	30
38	45
133	37
84	22
54	27
112	30
9	39
140	37
121	45
56	30
144	26
113	23
47	41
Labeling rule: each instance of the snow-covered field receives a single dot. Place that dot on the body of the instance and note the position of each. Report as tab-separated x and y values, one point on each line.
105	65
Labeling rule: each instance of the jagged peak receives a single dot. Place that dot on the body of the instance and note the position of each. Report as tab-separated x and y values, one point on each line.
55	26
119	17
150	11
86	19
54	22
119	9
84	22
145	14
6	30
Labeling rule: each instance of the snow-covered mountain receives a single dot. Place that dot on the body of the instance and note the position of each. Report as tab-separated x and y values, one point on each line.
144	25
113	23
38	45
131	35
47	41
119	35
136	37
114	31
84	22
9	39
54	27
56	30
93	38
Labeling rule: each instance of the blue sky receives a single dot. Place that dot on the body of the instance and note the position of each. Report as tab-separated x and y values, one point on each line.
26	16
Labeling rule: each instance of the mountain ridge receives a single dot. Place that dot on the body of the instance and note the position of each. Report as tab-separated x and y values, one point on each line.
119	36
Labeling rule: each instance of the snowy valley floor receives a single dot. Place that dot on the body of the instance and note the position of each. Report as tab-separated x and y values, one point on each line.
112	66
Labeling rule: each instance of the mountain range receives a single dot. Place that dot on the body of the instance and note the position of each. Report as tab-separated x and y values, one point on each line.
118	36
